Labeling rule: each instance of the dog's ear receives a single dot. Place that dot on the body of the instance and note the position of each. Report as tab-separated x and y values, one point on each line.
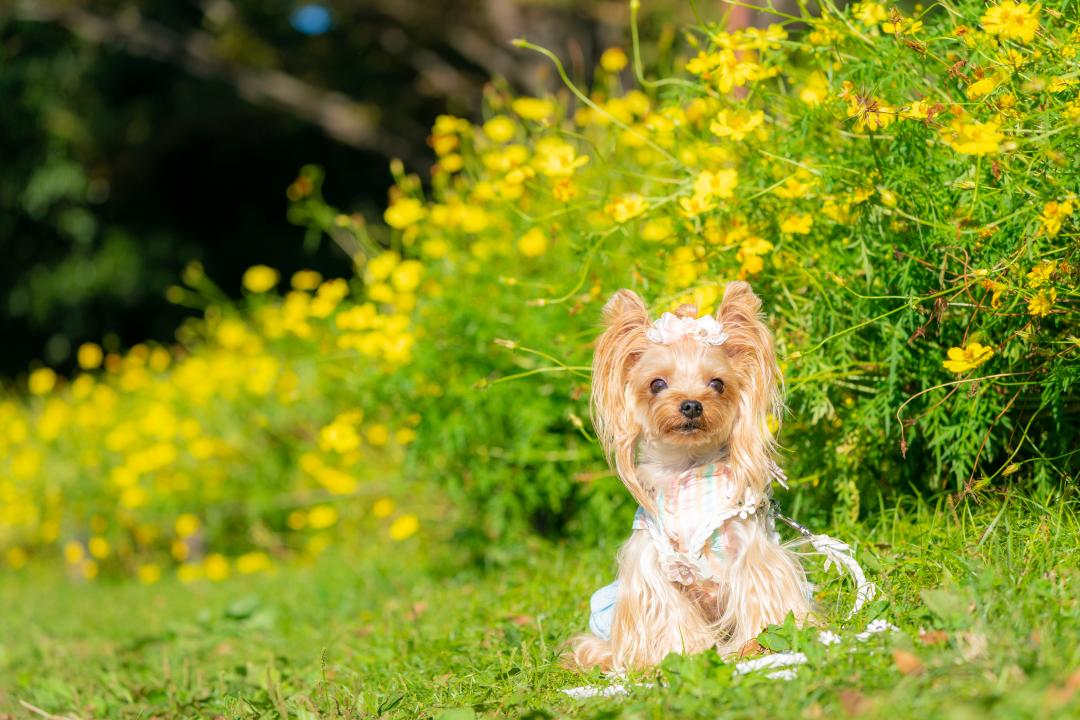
620	346
750	348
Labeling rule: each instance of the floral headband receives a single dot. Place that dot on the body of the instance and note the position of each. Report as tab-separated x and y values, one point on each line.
672	328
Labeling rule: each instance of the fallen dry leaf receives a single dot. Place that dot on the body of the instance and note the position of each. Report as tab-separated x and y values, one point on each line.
907	663
853	702
933	637
751	648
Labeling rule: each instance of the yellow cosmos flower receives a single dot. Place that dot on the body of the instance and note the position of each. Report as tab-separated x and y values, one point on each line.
1040	274
321	517
964	359
736	124
260	278
982	87
1041	304
253	562
532	108
626	207
613	60
534	243
216	567
996	288
564	190
1053	215
870	13
555	158
404	527
42	381
973	138
382	508
149	573
815	90
797	224
305	280
719	184
1010	20
404	213
187	525
90	356
500	128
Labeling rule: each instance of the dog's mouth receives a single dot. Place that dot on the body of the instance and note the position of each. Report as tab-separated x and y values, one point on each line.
689	427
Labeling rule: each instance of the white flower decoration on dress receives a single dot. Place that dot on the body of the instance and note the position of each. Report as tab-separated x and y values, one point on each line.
671	328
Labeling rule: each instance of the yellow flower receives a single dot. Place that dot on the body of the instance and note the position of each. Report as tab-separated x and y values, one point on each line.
555	158
736	124
564	190
90	356
815	90
404	212
719	184
42	381
149	573
532	108
1040	274
253	562
613	60
379	267
1053	215
99	547
870	13
656	230
321	517
216	567
260	278
187	525
73	552
16	558
1010	20
973	138
1040	305
996	288
189	572
626	207
404	527
982	87
377	435
968	358
382	508
500	128
870	113
797	224
406	276
534	243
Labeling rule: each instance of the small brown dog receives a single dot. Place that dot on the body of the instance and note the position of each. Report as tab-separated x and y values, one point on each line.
682	407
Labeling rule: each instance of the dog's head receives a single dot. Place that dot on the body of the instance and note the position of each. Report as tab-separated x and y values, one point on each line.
687	385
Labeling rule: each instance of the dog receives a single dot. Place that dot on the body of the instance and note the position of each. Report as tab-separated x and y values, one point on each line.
682	408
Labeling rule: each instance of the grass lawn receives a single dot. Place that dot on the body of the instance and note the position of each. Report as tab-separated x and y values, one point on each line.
410	633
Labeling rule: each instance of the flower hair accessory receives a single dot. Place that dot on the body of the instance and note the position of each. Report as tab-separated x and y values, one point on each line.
671	328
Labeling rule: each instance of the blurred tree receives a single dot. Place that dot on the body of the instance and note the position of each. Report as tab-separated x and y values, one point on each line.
141	134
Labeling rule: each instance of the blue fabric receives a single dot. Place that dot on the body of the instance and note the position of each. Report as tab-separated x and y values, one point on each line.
602	610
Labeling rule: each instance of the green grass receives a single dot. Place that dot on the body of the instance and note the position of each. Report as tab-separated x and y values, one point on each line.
412	633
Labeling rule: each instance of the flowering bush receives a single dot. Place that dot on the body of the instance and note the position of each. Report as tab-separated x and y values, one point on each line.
900	190
247	443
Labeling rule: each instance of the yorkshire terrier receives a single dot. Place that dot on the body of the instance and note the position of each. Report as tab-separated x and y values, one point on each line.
681	407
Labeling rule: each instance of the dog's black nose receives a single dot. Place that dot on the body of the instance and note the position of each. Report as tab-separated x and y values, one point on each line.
690	408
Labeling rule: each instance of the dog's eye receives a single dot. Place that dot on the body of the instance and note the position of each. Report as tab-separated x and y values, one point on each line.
717	384
657	385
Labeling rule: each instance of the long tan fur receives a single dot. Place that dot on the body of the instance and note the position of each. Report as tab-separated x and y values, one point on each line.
760	581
